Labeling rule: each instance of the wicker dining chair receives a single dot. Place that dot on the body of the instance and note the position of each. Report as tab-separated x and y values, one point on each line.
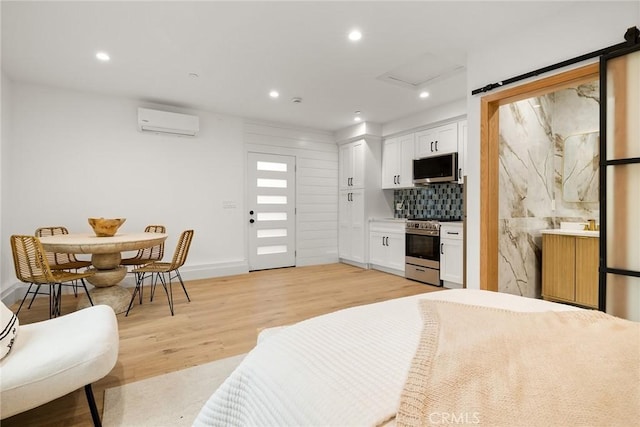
157	270
59	261
147	255
31	266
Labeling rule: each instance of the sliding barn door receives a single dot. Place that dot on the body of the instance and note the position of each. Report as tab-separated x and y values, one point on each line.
620	184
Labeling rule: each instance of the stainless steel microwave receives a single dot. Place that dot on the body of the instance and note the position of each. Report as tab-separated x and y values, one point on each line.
432	169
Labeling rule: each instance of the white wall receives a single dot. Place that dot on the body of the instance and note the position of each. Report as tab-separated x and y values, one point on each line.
6	264
432	117
75	155
316	156
585	27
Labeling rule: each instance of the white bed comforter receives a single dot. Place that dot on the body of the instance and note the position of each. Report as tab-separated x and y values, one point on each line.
342	369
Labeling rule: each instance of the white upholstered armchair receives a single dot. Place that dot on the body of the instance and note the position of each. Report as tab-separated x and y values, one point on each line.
52	358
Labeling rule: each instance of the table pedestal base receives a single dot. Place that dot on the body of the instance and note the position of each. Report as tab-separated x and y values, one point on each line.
115	297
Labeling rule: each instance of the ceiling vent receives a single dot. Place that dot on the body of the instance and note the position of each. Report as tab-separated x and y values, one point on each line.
164	122
426	70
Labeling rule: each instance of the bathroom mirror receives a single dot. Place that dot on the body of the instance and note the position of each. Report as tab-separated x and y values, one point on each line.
581	159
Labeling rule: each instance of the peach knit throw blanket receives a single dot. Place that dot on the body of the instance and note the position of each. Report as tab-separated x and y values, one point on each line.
492	367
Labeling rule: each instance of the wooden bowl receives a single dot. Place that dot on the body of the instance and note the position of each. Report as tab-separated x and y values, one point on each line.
105	227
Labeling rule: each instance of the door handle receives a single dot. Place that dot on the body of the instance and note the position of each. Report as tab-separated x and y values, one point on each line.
442	248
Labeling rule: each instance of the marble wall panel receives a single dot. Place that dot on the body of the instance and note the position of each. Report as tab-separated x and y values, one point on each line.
520	254
533	138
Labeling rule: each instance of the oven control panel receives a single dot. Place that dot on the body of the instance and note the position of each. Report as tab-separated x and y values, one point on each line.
425	225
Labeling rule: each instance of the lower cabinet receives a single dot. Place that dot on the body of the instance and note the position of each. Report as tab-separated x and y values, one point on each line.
570	269
386	246
451	255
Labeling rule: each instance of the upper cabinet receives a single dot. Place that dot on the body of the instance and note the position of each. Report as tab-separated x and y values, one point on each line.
397	161
436	141
352	162
462	150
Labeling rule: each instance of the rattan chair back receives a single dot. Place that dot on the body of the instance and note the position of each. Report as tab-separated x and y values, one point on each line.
54	258
147	255
182	249
29	260
154	253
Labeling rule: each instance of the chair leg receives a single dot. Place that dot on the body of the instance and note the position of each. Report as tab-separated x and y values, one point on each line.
55	299
182	283
85	291
25	297
138	288
169	291
154	282
33	297
92	406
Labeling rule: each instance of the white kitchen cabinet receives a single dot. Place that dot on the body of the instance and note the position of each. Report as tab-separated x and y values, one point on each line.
397	161
437	141
451	255
351	233
352	165
360	192
462	150
387	247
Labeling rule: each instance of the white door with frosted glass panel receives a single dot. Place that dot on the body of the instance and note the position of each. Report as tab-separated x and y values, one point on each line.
271	211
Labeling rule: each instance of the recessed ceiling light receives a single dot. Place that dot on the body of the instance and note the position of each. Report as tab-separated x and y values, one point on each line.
424	94
103	56
274	94
355	35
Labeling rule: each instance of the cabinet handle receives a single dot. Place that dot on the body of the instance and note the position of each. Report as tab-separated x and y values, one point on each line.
451	232
387	241
394	179
459	173
442	248
383	241
398	179
432	146
436	145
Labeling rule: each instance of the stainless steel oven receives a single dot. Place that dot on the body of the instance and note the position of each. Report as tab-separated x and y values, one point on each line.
422	251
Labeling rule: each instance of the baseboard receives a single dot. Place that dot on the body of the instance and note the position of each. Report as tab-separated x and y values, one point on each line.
387	270
354	263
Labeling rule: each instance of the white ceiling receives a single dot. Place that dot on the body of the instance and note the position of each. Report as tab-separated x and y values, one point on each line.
242	50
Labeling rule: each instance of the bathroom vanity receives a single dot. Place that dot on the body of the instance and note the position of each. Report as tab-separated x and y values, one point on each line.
570	266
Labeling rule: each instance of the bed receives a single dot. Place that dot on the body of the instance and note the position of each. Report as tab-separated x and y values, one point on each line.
448	357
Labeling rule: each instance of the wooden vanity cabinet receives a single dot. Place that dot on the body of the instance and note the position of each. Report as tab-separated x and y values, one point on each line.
570	269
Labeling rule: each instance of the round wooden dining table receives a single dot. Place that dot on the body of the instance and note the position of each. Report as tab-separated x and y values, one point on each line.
105	260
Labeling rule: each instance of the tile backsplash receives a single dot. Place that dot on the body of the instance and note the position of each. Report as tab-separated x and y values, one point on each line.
443	201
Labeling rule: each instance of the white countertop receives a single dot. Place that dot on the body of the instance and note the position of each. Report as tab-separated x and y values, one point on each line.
388	220
566	232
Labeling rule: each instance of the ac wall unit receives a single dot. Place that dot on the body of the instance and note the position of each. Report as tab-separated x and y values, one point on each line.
169	123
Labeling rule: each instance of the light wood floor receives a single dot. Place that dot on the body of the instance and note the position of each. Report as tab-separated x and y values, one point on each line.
220	321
